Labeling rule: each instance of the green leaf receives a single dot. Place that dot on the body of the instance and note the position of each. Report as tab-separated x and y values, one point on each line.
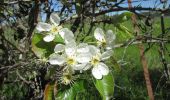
105	86
58	39
49	92
88	39
125	16
71	92
124	29
41	48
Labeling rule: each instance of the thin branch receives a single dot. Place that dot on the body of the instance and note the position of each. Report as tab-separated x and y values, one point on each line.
127	9
138	42
13	66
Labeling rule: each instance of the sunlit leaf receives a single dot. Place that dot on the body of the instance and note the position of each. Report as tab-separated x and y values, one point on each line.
71	92
105	86
41	48
125	16
58	39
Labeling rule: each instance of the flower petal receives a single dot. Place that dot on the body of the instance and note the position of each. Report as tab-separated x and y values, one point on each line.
110	36
93	50
70	48
96	73
79	66
106	55
56	60
109	46
62	32
99	34
55	19
88	66
82	48
83	58
49	38
59	48
104	70
43	27
66	34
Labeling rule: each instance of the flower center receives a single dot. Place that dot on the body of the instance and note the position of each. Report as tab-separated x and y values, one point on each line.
70	61
95	60
67	78
102	43
54	29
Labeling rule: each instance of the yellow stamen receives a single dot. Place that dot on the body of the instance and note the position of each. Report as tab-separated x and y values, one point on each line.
102	43
66	78
54	29
70	61
95	60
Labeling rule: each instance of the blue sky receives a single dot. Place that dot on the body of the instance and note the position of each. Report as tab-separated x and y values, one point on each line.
146	3
142	3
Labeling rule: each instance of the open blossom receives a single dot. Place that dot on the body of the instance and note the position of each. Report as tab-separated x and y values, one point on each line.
104	40
83	56
71	55
50	29
98	67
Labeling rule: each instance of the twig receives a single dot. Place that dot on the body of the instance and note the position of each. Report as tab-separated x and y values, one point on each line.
138	42
162	50
22	78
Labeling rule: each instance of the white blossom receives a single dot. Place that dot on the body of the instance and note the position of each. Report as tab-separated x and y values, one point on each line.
50	29
104	40
70	57
98	67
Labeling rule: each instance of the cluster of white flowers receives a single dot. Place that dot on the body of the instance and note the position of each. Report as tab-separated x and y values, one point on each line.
80	56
